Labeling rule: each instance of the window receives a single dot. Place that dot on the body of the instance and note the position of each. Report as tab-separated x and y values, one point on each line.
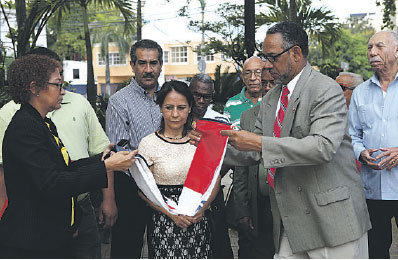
165	56
225	57
76	74
179	54
114	59
209	57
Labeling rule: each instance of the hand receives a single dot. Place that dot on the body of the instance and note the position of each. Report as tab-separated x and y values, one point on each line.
198	216
366	156
390	160
181	221
195	137
108	215
246	225
120	161
108	150
243	140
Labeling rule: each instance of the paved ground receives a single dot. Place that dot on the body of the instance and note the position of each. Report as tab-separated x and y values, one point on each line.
234	237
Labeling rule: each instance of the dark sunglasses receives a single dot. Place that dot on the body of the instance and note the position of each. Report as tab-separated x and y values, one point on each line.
344	88
197	95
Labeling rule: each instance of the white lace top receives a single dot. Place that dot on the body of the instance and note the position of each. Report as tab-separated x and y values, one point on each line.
170	160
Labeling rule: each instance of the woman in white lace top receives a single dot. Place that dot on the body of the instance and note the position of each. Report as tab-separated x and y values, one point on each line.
169	155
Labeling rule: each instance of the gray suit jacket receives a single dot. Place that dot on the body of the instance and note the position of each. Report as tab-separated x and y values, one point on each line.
246	178
318	193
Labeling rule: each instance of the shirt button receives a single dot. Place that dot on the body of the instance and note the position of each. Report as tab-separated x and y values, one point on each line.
299	188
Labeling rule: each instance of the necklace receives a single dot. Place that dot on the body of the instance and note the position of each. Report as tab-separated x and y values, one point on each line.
174	138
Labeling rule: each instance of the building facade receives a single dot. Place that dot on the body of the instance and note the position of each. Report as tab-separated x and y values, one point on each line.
180	62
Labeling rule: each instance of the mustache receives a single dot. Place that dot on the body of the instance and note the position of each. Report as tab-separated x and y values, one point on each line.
148	75
375	58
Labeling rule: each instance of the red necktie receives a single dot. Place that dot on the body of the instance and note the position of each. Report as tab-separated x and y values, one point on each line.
277	128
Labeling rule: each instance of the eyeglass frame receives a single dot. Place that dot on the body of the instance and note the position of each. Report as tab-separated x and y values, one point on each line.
60	85
205	97
264	57
344	88
257	73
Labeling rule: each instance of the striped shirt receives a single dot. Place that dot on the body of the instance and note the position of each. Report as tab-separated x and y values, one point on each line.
132	114
236	105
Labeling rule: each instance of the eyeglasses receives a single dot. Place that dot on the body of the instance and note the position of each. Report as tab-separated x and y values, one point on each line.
273	58
249	73
56	84
205	97
344	88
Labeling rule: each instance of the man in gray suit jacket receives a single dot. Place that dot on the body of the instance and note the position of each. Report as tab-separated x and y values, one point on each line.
317	202
252	209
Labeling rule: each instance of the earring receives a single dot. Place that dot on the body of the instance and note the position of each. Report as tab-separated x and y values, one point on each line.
37	95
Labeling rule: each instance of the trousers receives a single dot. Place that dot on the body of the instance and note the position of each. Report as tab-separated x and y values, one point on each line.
380	236
133	215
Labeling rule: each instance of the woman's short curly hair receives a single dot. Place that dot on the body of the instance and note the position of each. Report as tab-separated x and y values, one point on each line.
26	69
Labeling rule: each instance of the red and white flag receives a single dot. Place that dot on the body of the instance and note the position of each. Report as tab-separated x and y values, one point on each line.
202	175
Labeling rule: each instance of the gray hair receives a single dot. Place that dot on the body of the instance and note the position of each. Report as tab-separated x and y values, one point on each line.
356	78
201	77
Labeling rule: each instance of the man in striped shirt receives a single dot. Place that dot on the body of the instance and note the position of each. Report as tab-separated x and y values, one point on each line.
133	114
251	94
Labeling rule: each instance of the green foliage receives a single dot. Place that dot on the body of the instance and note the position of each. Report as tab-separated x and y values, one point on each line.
100	109
389	11
226	85
229	30
350	48
320	24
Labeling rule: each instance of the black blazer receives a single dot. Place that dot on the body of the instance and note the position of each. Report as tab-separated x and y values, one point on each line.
40	185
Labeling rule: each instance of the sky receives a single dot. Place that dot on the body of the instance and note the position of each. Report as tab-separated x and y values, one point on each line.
163	24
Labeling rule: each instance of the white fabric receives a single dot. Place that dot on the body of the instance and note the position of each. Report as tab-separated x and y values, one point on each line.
211	114
290	86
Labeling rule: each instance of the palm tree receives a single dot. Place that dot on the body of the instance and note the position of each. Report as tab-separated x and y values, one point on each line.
125	8
319	23
105	38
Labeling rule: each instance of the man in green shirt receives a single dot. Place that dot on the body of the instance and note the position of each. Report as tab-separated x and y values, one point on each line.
251	94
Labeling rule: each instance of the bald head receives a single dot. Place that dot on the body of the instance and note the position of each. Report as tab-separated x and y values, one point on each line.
251	74
253	60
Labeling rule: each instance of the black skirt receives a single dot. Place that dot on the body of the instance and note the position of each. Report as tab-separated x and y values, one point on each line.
167	240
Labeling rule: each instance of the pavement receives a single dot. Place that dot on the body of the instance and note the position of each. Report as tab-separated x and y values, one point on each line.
226	181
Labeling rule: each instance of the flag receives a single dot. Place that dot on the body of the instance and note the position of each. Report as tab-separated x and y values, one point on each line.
202	175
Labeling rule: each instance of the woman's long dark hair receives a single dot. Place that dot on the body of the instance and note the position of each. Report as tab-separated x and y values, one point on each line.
182	89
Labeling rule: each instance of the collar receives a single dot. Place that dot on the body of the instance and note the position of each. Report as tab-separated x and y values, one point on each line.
137	88
243	97
292	84
375	79
31	110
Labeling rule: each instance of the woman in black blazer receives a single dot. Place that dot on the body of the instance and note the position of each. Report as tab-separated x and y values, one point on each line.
41	180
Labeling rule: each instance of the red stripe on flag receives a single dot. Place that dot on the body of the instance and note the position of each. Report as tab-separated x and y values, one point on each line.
4	207
207	156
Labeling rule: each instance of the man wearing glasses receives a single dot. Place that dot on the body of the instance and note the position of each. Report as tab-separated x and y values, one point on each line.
251	93
202	87
301	136
348	81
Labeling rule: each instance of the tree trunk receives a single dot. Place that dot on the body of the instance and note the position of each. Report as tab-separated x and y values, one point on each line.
107	75
293	11
91	87
249	27
139	21
20	12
